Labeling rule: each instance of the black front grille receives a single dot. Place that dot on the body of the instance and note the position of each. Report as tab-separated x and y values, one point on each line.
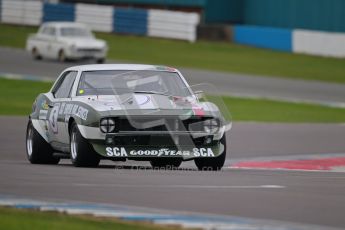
158	131
89	50
158	141
160	124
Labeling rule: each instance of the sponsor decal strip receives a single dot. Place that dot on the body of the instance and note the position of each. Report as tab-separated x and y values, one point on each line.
72	109
163	152
198	111
66	109
43	115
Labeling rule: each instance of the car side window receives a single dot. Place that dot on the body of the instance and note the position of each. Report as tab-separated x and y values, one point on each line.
44	30
64	87
48	30
52	31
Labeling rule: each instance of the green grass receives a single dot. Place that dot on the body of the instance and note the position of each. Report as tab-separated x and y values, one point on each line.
15	219
219	56
263	110
16	98
15	36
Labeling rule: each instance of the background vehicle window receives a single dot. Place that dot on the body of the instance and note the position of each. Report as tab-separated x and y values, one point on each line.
75	32
64	89
52	31
48	30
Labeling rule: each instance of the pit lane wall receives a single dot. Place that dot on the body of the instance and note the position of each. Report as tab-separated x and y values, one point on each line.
153	23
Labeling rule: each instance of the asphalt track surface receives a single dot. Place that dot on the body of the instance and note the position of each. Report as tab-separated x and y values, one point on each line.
19	62
297	196
301	197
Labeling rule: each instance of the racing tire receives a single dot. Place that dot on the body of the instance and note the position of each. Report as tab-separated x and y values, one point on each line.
165	163
212	164
62	56
38	151
100	61
82	152
35	54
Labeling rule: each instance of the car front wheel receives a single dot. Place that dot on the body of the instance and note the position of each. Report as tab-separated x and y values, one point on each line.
62	56
36	54
212	164
82	153
38	151
100	60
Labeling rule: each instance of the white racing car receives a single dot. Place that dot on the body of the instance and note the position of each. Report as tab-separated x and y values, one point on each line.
120	112
66	41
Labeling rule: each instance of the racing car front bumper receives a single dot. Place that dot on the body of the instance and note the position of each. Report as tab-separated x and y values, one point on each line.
172	145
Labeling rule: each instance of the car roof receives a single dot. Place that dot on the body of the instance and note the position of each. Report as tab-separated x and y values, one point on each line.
129	67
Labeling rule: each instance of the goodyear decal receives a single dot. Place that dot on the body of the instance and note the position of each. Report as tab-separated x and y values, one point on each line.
163	152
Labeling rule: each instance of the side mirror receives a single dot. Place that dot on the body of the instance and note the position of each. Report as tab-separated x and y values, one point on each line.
199	94
52	93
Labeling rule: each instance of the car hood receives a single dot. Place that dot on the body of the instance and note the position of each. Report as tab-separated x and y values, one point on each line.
83	42
128	102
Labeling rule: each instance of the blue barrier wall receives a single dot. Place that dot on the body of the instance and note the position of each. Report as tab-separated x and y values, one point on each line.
130	21
264	37
327	15
58	12
186	3
224	11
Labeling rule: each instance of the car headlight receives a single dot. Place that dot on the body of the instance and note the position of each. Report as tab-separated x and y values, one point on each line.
107	125
211	125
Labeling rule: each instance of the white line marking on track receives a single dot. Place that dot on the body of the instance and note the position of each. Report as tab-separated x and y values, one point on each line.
186	186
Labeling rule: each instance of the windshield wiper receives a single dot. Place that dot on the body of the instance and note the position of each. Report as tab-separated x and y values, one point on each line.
153	92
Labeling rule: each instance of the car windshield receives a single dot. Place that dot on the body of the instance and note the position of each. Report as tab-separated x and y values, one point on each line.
75	32
141	82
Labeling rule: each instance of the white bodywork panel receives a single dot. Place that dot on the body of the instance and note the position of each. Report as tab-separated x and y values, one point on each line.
49	46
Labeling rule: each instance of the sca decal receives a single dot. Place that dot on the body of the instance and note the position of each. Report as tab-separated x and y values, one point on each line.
122	152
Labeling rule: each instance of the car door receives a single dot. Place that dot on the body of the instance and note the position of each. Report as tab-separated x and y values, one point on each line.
51	42
41	40
57	128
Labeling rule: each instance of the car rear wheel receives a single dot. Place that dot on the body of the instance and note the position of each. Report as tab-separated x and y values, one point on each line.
38	151
100	61
212	164
165	163
82	152
62	56
35	54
